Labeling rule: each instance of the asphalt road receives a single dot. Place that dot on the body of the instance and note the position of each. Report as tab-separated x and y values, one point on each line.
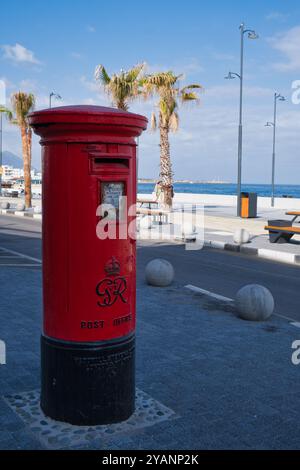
218	271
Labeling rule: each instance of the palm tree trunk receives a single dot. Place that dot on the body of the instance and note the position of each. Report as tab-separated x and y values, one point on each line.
26	163
29	145
166	166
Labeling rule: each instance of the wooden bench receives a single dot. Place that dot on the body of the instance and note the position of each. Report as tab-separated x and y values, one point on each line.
283	234
147	202
295	215
160	215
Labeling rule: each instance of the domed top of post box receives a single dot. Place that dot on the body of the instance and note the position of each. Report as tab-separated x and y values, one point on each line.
86	123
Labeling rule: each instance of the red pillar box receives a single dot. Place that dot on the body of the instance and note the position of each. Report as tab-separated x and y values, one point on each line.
87	345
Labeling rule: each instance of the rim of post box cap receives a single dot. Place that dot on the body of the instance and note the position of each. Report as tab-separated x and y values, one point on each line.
83	122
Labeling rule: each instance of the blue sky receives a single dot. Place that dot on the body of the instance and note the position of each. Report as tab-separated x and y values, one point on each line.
56	45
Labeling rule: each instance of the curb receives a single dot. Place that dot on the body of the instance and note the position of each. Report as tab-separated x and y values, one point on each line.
272	255
16	213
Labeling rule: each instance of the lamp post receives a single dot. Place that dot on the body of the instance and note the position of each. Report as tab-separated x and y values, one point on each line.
277	97
231	75
55	95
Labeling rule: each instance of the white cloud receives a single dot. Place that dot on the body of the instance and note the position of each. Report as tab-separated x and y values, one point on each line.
232	91
90	85
187	67
288	44
223	56
277	16
76	55
91	29
8	83
19	54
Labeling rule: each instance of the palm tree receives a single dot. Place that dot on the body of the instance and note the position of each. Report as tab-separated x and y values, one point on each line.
122	87
22	104
165	85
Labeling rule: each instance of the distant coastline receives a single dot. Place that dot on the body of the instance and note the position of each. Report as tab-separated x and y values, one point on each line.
153	181
281	190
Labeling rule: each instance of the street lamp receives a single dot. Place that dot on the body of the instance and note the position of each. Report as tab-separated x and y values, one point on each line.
231	75
55	95
277	97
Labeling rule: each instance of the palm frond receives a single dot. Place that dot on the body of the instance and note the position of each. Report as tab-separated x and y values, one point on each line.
122	87
191	87
153	122
101	75
174	122
189	96
7	112
133	74
22	104
161	79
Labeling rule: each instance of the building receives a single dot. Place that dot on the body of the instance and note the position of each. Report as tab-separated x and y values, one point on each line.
11	173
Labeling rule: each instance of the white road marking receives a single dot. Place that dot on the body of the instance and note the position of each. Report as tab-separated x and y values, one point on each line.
20	254
218	232
198	290
19	265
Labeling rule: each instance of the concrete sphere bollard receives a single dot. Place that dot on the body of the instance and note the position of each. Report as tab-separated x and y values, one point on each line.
159	272
5	205
145	222
20	206
188	230
37	209
254	302
241	236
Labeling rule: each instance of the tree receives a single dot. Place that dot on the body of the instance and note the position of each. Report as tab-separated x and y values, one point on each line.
6	111
122	87
165	85
22	105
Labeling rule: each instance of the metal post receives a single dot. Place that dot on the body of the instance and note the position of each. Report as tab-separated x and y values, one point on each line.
56	95
273	153
240	134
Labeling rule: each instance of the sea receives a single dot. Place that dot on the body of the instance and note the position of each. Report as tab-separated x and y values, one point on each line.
281	190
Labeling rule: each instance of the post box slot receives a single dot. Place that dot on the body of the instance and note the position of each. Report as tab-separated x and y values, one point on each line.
121	162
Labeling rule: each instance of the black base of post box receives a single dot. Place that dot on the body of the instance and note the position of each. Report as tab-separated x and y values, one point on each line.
88	383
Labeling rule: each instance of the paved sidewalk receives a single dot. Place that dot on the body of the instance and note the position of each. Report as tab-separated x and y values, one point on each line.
218	230
230	383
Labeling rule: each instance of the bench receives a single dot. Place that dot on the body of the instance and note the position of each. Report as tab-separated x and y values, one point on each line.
283	234
295	215
147	202
159	215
